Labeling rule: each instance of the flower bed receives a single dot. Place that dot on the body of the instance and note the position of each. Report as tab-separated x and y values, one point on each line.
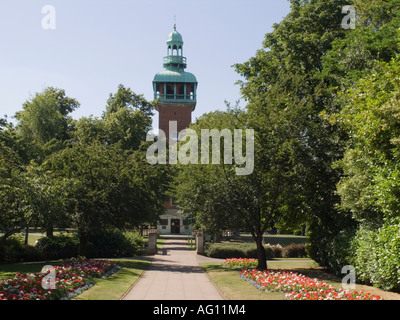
70	279
241	262
299	287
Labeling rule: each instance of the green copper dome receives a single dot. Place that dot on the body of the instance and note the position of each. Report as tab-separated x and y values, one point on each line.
175	76
175	38
175	85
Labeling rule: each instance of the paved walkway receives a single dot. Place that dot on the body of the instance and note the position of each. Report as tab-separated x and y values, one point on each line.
175	274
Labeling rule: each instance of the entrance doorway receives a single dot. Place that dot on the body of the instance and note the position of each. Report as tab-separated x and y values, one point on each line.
175	226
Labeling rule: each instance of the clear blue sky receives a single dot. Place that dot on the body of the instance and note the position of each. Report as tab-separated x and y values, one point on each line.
99	44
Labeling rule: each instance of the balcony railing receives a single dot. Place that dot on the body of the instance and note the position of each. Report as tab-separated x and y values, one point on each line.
175	60
176	97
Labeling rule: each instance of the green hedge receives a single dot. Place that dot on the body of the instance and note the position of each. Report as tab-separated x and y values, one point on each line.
249	250
102	244
377	256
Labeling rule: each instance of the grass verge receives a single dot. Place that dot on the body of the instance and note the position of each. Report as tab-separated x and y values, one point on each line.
9	270
111	288
235	288
114	287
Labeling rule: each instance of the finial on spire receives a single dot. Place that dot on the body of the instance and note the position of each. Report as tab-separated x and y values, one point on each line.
174	22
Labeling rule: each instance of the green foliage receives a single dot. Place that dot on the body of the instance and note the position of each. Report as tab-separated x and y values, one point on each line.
13	250
243	250
113	244
58	247
249	250
108	187
103	243
370	186
377	256
339	250
44	122
88	173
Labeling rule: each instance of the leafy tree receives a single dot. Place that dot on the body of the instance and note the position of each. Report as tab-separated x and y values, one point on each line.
126	121
20	194
370	186
127	118
126	98
202	189
286	95
374	39
107	187
44	122
223	199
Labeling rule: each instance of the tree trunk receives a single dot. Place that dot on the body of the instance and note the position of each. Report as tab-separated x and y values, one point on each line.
9	233
49	231
262	258
26	235
83	242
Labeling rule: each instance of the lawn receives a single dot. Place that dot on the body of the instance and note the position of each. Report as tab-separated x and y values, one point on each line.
111	288
9	270
235	288
114	287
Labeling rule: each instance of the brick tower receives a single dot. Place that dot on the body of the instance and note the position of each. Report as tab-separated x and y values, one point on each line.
176	90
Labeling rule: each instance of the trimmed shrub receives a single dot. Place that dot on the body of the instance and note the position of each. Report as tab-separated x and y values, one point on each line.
294	250
242	250
377	256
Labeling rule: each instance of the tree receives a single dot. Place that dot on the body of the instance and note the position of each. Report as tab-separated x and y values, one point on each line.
222	199
44	121
127	118
107	187
20	194
286	96
370	188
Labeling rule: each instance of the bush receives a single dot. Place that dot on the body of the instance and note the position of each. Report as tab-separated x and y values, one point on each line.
294	250
277	251
114	243
242	250
339	250
58	247
13	250
377	256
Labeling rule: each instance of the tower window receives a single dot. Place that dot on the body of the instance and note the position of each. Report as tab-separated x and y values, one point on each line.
170	92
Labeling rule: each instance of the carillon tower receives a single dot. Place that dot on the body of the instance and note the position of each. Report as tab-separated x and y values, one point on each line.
175	88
